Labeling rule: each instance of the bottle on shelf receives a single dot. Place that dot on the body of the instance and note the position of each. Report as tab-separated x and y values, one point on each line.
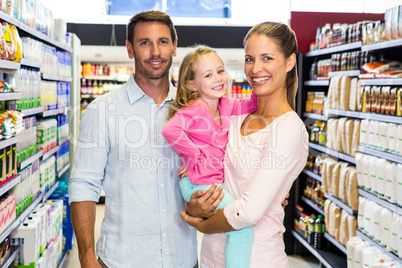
89	86
318	232
311	229
95	89
83	86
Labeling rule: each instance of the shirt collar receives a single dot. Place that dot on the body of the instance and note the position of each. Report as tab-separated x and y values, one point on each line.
135	93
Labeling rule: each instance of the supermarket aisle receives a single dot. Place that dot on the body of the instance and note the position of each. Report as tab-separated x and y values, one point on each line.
73	262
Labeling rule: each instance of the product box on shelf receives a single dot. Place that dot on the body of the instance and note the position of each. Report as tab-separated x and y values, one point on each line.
26	236
7	211
39	213
68	232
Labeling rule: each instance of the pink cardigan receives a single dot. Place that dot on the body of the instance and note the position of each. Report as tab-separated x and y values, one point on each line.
200	141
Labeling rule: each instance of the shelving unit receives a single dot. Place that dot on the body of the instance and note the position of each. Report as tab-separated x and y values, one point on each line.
50	152
32	111
106	78
13	255
317	83
312	205
319	117
381	154
327	258
381	82
325	51
51	190
9	65
30	160
56	78
335	242
10	96
10	184
393	207
383	45
312	175
11	141
344	73
63	170
379	247
369	116
29	63
333	153
341	204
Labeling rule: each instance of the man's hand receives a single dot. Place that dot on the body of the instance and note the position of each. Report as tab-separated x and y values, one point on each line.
193	221
203	203
285	202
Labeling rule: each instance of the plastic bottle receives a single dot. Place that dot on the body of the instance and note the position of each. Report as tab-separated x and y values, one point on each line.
311	229
302	224
318	232
322	140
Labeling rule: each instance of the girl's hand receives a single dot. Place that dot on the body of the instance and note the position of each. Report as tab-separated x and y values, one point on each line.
203	203
183	171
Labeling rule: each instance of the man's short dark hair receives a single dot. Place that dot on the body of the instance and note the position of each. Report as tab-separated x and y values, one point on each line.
151	16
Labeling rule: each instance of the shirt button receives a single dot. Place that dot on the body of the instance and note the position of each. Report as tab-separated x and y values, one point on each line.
162	185
163	210
163	234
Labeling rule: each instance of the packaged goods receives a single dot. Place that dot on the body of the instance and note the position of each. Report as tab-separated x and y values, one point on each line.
395	233
18	51
327	205
355	137
352	189
335	179
389	74
364	132
333	92
394	92
399	178
399	141
359	168
349	130
391	182
386	222
388	21
377	223
373	174
344	93
335	220
369	256
342	134
372	138
362	99
386	91
380	169
350	251
352	226
400	239
394	22
383	140
343	228
353	97
392	137
359	253
368	213
9	41
343	177
361	213
381	66
399	102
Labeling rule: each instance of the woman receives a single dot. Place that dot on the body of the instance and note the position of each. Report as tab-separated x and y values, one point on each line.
266	152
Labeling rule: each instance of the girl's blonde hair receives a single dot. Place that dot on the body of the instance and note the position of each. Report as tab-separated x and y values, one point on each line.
185	95
287	43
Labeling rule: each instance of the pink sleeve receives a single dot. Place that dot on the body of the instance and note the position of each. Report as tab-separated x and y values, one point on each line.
292	148
175	132
245	106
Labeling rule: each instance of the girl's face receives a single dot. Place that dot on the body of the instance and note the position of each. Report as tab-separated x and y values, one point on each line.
265	66
210	79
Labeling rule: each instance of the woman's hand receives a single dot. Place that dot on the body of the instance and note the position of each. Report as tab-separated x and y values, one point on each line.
203	203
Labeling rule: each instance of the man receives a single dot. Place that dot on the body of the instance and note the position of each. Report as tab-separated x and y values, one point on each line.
121	149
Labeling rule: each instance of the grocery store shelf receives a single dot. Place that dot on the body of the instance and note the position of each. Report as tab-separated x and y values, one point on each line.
335	242
383	45
20	219
64	140
344	73
10	184
327	258
333	153
379	247
121	78
56	78
10	96
10	141
312	175
30	160
33	32
393	207
9	65
381	82
50	112
320	117
51	190
65	253
381	154
370	116
341	204
312	205
89	96
317	83
32	111
30	63
354	45
50	152
10	260
63	170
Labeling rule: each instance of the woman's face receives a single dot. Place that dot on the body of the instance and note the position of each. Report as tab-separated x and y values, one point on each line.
265	66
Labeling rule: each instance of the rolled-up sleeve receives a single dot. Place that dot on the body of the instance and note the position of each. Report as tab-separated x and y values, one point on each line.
92	147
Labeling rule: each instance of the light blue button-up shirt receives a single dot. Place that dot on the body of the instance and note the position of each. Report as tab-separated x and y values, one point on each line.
121	148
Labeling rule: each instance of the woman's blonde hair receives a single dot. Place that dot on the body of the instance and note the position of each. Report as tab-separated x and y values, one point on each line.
287	43
185	95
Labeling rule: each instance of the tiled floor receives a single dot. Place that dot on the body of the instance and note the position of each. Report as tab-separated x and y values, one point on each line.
73	262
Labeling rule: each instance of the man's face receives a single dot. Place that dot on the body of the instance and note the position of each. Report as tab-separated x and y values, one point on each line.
152	50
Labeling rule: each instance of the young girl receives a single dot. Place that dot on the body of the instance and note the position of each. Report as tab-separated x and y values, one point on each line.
198	130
